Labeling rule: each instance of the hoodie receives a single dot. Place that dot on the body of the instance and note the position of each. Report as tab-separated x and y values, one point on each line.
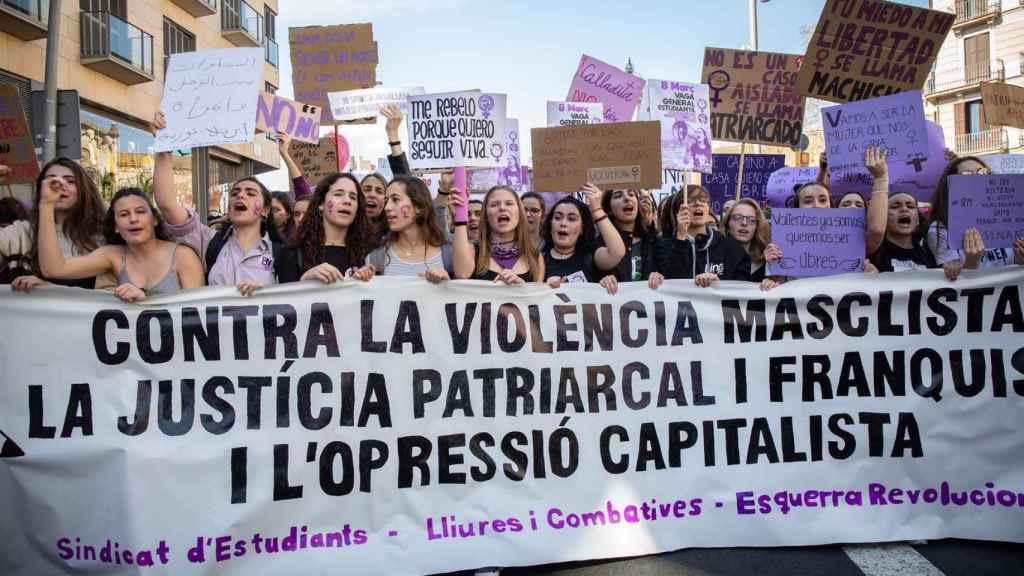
712	252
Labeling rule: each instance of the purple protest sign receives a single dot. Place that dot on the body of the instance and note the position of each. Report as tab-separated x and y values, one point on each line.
783	183
895	122
818	241
917	178
992	204
596	81
682	109
511	174
721	183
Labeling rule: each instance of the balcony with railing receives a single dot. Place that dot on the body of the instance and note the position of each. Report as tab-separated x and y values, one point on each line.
995	140
972	12
971	79
116	48
270	51
198	8
241	24
25	19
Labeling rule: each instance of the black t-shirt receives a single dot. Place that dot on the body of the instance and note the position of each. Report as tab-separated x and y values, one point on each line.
292	265
892	258
579	267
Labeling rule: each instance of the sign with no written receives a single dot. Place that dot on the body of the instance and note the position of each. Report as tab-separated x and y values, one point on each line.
612	155
298	120
16	149
865	48
329	59
753	96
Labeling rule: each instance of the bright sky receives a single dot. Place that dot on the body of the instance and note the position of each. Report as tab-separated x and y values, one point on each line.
529	49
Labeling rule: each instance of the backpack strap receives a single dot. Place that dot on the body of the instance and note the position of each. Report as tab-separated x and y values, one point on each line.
276	248
214	247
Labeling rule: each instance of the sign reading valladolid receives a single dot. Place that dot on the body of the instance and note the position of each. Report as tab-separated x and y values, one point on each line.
397	427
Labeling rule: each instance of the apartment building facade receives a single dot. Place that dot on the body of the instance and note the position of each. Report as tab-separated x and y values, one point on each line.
113	53
986	44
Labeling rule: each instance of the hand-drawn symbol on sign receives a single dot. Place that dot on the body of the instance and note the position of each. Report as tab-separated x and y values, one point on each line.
486	105
717	81
497	151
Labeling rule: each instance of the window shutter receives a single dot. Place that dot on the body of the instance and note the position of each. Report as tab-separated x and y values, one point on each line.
959	119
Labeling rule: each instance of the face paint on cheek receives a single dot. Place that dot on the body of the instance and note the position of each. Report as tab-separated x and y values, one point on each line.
405	211
330	206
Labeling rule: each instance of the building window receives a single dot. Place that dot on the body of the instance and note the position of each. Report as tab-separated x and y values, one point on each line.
269	36
974	118
116	154
118	8
176	40
976	59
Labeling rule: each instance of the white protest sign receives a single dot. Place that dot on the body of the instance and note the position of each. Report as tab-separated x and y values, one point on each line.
456	129
210	98
574	113
356	104
384	168
401	427
1005	163
433	182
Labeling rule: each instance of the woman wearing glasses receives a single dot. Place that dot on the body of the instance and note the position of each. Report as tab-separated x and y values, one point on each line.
533	204
696	250
971	254
745	223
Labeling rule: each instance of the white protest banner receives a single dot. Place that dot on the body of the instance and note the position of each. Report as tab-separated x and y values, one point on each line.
210	98
574	113
356	104
456	129
682	108
400	427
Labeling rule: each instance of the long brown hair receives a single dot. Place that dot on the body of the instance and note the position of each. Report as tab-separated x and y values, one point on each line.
311	236
939	211
426	216
526	248
757	242
83	224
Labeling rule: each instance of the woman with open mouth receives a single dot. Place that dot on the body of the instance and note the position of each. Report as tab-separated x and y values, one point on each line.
78	211
571	251
374	186
333	239
973	254
415	244
139	252
281	215
476	210
242	253
697	250
639	238
895	236
505	253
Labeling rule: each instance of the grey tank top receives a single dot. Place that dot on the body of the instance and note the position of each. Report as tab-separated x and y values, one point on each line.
169	283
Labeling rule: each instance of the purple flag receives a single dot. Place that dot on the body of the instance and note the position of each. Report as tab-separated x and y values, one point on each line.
818	241
992	204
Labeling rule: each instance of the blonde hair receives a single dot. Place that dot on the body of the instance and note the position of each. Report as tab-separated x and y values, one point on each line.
761	234
526	248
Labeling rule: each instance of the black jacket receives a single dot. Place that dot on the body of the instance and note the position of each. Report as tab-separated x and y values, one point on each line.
711	252
643	251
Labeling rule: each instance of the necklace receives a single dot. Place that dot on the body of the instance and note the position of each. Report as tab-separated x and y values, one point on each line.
562	255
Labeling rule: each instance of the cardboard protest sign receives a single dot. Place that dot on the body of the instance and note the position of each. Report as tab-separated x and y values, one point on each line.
753	96
682	108
818	242
456	129
329	59
1003	104
992	204
612	155
783	183
316	160
298	120
574	113
916	177
1005	163
356	104
17	151
210	98
721	183
596	81
894	122
864	49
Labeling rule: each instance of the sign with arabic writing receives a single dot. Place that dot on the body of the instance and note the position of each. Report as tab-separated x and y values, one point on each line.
210	98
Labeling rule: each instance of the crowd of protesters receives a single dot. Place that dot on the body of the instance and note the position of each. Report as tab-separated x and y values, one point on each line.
345	228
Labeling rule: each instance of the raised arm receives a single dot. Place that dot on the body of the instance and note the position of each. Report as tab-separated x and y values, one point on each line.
878	206
609	255
163	181
52	262
397	161
464	263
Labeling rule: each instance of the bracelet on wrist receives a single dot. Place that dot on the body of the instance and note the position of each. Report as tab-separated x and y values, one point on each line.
395	143
459	223
601	219
443	193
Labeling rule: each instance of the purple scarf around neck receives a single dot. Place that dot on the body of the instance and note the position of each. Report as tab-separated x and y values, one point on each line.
505	255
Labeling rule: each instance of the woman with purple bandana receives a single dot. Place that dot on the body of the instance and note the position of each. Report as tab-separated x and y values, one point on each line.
505	253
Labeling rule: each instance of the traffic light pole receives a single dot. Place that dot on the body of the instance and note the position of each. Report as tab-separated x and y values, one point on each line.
49	142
